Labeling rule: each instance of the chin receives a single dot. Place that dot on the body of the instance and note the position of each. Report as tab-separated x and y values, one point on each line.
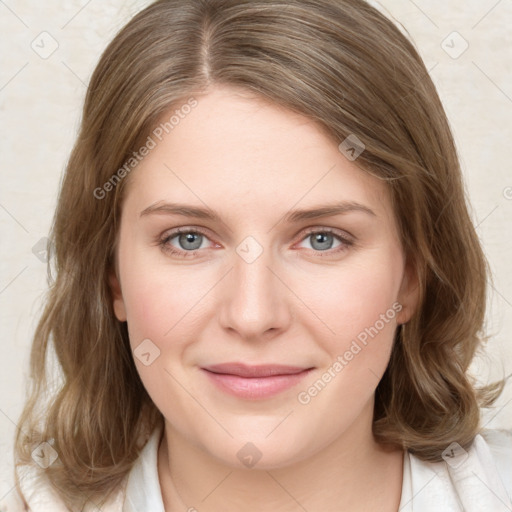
262	451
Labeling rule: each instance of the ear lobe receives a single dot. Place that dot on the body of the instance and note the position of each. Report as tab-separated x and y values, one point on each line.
409	294
117	297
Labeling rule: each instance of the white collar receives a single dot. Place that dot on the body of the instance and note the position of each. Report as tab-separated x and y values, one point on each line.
473	485
143	487
469	483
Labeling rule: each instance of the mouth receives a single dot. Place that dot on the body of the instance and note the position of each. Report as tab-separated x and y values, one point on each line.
255	382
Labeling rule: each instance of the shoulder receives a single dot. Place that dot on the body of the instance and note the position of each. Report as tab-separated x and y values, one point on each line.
474	479
495	447
37	495
12	502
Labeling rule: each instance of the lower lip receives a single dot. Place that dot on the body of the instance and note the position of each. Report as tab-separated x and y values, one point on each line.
255	387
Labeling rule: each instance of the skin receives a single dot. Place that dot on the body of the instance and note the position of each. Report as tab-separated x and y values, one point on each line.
295	304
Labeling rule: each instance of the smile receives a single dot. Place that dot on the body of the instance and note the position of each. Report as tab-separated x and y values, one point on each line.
254	382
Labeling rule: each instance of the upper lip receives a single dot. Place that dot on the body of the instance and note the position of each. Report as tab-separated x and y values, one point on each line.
262	370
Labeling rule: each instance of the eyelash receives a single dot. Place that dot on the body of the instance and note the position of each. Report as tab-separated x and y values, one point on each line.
164	242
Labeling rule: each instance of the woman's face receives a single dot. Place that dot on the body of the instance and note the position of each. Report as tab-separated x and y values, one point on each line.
261	331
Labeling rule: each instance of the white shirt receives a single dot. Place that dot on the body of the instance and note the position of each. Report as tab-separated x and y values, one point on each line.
479	480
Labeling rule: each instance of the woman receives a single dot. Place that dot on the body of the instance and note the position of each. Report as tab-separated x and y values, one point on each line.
310	349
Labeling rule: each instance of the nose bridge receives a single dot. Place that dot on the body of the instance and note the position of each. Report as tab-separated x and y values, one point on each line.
255	301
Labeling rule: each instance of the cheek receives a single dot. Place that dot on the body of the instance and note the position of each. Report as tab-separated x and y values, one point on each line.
159	304
351	298
163	306
359	307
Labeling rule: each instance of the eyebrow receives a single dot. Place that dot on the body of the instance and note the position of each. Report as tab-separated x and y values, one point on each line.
298	215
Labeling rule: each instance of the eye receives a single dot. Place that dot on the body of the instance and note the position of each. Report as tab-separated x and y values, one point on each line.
189	241
322	240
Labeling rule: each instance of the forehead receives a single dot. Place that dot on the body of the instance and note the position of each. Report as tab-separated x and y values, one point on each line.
234	150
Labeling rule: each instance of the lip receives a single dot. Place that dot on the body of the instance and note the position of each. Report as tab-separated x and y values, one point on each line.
254	382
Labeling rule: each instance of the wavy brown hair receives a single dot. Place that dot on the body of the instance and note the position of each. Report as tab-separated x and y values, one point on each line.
347	67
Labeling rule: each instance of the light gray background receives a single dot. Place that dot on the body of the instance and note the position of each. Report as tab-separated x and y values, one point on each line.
41	97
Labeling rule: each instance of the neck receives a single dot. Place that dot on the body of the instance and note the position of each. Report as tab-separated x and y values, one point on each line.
352	470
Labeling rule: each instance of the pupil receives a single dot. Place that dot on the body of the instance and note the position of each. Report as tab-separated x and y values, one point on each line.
190	238
321	239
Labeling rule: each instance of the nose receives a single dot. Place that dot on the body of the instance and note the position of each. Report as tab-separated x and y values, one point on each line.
255	299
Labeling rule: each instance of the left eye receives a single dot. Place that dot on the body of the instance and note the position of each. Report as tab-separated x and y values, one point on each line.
322	240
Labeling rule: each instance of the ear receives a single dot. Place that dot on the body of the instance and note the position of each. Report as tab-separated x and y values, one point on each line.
409	293
117	297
